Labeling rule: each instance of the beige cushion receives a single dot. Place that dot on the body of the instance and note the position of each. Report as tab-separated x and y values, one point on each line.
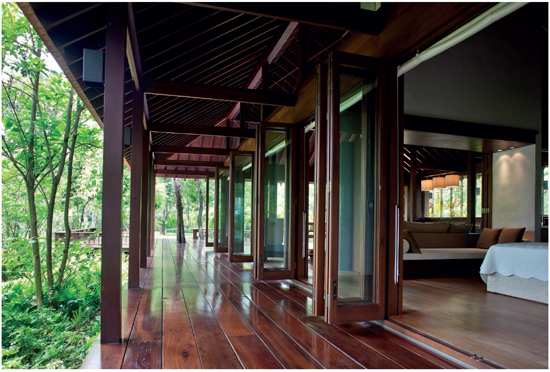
426	227
413	246
488	238
464	229
511	235
445	240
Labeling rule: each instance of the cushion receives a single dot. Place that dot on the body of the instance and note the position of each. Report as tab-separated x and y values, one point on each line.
413	246
406	246
488	238
426	227
511	235
462	229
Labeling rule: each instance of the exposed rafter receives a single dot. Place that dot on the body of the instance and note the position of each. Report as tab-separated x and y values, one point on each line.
202	130
190	163
329	15
190	150
270	56
184	172
219	93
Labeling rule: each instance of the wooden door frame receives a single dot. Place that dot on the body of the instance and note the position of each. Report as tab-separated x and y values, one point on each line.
217	248
340	62
207	243
259	261
231	212
321	92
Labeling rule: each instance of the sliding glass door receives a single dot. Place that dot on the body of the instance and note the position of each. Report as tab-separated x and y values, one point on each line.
275	258
221	221
354	283
240	207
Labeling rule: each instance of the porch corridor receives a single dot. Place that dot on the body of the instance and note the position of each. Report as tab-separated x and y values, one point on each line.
197	310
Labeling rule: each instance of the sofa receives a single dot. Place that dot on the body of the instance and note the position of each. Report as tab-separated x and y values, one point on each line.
443	250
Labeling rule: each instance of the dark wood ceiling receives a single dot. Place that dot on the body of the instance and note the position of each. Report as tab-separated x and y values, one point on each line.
183	43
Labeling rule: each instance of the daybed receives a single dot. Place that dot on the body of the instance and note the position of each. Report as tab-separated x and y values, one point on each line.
518	270
444	250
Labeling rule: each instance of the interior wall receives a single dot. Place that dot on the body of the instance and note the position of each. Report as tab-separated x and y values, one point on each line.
514	185
493	77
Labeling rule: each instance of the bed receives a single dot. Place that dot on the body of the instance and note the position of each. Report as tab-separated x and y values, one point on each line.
518	270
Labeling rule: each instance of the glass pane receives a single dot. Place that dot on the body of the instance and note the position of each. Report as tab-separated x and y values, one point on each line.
223	207
356	198
211	209
277	201
243	205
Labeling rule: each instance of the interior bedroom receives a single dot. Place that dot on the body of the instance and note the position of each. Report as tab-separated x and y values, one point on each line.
475	195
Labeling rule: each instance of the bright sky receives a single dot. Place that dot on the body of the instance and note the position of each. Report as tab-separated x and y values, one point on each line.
52	64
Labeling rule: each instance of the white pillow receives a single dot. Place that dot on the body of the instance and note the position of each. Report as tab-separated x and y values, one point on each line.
406	246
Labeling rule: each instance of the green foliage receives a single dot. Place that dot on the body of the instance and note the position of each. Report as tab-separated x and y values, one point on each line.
55	336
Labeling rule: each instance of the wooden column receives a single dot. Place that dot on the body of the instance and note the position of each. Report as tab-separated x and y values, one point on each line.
144	242
135	192
149	205
153	184
111	252
394	106
320	190
415	207
471	194
486	193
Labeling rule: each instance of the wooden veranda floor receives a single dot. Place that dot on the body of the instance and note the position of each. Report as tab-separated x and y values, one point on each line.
197	310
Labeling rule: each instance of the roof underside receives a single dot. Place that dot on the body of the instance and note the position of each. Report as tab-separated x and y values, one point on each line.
182	43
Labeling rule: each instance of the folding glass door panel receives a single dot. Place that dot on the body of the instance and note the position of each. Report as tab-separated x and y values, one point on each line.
275	258
209	214
354	281
221	221
241	213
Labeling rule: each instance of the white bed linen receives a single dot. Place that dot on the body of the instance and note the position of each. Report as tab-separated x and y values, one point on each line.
525	260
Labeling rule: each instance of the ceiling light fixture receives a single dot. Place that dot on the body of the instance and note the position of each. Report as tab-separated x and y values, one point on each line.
439	183
426	185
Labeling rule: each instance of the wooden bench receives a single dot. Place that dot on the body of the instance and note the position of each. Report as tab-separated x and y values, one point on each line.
195	233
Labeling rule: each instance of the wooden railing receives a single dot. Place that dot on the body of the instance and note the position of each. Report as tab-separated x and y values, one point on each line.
91	237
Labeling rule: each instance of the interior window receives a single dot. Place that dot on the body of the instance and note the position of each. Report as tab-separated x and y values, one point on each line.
450	202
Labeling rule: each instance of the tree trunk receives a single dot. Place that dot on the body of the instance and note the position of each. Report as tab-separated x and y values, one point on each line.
180	231
199	218
163	225
32	202
68	199
56	178
188	208
94	220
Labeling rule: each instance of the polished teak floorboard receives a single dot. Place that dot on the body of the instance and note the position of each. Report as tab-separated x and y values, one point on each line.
506	330
197	310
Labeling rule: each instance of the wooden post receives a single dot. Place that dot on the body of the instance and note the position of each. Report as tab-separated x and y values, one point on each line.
144	242
153	184
395	195
471	193
111	252
135	192
149	205
320	190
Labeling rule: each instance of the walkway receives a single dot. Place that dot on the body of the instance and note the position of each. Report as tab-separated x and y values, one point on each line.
197	310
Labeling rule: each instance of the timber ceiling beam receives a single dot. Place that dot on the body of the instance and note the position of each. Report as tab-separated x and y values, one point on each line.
258	74
184	172
219	93
134	59
202	130
190	163
329	15
190	150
